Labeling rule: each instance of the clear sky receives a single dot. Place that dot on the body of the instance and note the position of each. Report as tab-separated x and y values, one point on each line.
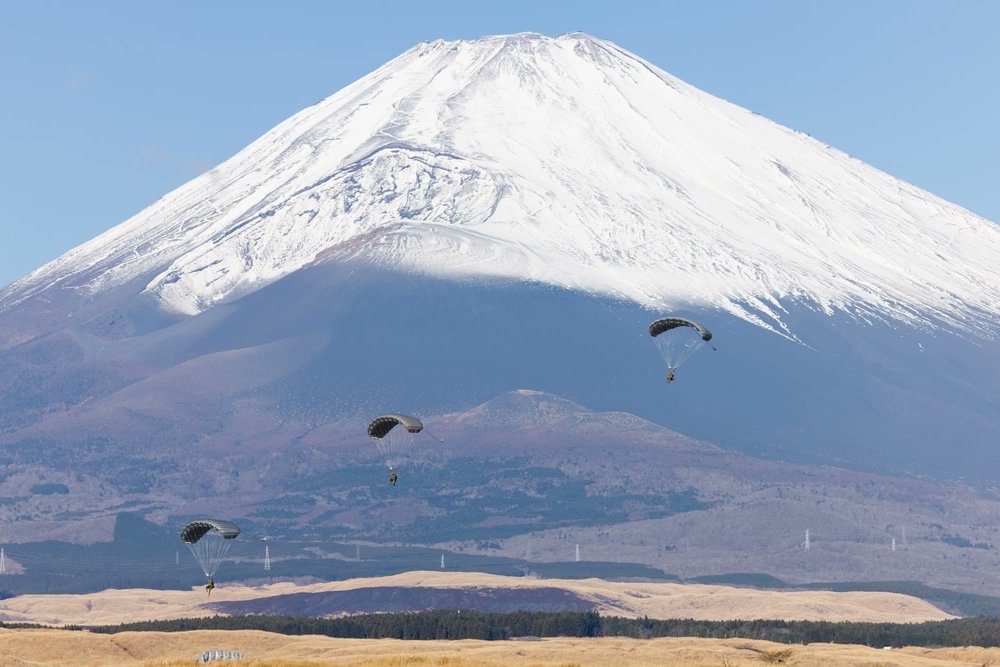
105	106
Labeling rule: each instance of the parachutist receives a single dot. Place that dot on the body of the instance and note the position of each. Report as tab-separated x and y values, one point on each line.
677	339
391	441
209	541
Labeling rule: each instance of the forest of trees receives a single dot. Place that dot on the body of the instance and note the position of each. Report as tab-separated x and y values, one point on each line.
462	624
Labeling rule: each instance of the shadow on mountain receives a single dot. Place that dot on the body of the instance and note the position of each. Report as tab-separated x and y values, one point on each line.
397	598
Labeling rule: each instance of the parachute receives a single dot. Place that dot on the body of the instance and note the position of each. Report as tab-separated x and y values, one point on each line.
678	339
392	434
209	541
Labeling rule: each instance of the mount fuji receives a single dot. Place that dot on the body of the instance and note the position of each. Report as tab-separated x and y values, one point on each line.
566	162
476	217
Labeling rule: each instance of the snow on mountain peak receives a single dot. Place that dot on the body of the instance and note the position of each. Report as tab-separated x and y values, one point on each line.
566	161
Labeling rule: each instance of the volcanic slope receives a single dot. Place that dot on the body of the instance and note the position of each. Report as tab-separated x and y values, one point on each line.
517	482
479	216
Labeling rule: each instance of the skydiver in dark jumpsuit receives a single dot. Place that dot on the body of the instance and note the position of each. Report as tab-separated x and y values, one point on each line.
393	478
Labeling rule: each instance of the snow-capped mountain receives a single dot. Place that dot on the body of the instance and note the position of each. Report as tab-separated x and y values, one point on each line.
480	216
565	161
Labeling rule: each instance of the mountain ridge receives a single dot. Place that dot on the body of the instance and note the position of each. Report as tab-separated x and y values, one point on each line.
499	487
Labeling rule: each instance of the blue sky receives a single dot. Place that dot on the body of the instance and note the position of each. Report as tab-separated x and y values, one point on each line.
109	105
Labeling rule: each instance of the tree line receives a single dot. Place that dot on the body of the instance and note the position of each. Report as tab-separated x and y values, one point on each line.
464	624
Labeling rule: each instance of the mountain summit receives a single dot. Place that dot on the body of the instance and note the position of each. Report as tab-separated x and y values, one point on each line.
564	161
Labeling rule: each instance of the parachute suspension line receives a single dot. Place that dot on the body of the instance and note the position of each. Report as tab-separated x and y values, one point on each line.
434	436
393	434
677	346
389	446
197	553
219	549
209	551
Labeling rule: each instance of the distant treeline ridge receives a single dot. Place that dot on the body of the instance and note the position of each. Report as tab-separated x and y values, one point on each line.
462	624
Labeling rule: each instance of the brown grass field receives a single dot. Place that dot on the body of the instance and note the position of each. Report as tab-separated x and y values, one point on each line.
630	599
158	649
657	600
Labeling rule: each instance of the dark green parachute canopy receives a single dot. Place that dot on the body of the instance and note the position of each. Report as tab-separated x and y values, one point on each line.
196	530
668	323
381	426
393	443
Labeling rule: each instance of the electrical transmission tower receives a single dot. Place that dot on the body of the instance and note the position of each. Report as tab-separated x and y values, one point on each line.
442	561
578	553
267	552
806	543
3	562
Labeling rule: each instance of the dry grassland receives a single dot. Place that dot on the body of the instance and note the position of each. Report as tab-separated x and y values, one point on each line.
38	648
629	599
